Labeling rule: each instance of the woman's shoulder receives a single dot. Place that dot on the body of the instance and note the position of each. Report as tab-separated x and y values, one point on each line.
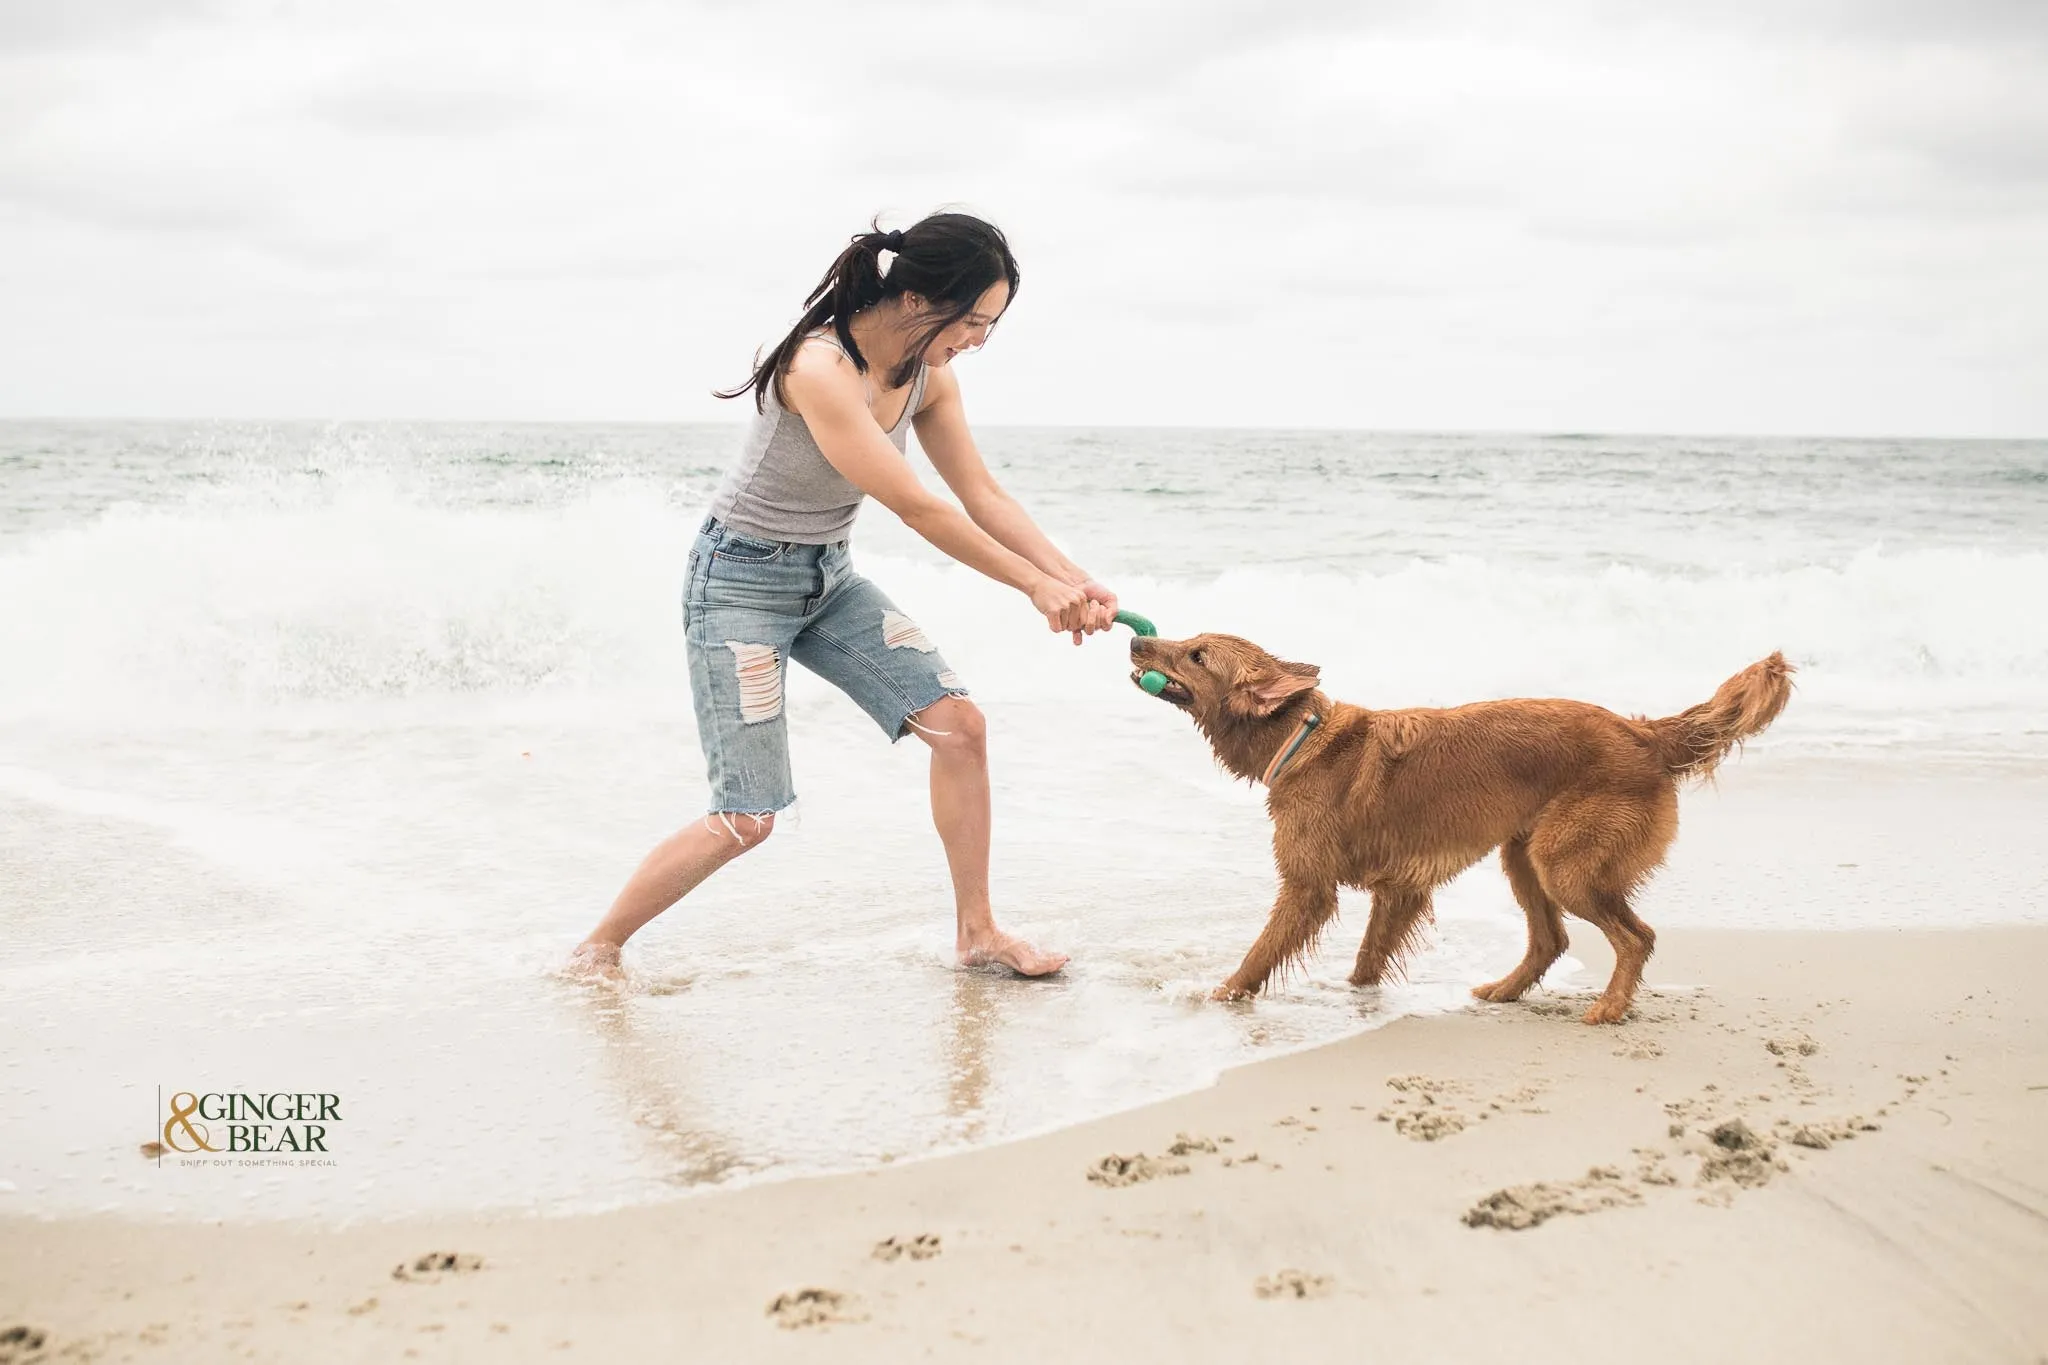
820	353
820	368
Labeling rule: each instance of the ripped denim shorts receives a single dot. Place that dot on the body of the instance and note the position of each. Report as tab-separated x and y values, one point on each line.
750	605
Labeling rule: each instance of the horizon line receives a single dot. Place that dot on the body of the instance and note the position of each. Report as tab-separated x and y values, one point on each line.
1558	434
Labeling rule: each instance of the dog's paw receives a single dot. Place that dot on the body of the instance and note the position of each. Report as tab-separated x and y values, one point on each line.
1498	992
1606	1011
1226	991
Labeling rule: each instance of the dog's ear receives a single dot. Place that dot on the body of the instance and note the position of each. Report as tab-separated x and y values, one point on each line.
1266	688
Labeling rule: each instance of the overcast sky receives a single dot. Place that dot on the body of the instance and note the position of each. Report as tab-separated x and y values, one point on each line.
1712	216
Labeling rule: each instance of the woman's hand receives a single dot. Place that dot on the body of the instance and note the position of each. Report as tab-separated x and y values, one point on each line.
1079	608
1102	608
1065	606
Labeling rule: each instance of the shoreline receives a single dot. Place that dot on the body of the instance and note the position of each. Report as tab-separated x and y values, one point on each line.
1310	1202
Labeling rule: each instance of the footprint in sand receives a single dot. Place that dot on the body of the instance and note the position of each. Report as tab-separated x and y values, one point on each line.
1291	1284
1520	1207
922	1247
429	1269
811	1308
1429	1125
1116	1171
20	1343
1739	1156
1422	1111
1821	1134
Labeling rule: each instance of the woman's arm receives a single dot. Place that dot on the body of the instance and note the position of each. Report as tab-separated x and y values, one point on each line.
825	389
942	432
947	443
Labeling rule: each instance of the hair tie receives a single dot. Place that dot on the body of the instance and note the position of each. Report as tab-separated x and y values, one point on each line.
892	240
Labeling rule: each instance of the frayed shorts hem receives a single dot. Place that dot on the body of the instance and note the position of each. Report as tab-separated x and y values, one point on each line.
903	729
761	811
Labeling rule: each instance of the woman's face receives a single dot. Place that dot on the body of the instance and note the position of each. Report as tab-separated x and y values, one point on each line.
970	331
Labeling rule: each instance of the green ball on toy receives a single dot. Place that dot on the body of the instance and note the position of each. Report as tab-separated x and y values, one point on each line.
1152	680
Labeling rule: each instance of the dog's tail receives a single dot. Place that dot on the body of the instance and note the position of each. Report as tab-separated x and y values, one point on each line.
1693	742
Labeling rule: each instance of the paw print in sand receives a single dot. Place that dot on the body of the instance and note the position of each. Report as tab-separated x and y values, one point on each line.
922	1247
429	1269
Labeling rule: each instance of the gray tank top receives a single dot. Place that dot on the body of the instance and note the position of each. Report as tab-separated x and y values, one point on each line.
783	488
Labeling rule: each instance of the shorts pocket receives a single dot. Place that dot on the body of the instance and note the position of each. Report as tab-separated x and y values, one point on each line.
746	550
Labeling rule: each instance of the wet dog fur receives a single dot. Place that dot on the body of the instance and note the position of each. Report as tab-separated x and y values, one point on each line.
1582	803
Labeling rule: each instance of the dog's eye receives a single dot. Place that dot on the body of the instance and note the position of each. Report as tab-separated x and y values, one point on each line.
1197	660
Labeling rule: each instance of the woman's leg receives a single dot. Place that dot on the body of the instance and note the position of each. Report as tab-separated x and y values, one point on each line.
861	643
672	871
742	605
957	733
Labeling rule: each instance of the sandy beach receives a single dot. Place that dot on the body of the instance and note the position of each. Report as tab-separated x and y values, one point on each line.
1803	1146
464	467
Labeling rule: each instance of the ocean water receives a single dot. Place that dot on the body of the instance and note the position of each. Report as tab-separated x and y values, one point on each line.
320	745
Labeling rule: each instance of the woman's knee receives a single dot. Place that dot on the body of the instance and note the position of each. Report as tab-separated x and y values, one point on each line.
739	831
954	725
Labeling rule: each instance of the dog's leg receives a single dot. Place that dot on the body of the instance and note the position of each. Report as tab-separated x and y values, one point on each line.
1588	855
1633	942
1546	926
1398	916
1299	914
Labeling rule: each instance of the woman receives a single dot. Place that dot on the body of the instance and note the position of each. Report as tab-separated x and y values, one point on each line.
770	579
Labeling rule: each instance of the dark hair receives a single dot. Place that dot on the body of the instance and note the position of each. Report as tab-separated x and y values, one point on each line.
949	259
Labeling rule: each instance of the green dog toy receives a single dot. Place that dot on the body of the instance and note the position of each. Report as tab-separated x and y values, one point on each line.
1152	680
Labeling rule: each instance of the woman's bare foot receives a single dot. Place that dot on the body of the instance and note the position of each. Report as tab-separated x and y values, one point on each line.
595	962
1007	950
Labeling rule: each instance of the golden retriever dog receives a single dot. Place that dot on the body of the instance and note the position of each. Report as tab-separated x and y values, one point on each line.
1582	803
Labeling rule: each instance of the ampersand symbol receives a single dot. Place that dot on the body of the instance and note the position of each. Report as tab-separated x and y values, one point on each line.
181	1117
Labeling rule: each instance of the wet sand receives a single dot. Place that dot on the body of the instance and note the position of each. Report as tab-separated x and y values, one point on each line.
1803	1146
